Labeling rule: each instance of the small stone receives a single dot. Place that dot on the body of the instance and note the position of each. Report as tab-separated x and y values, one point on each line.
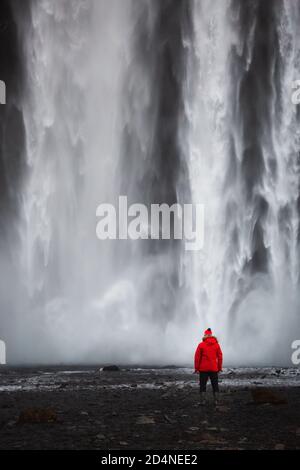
279	447
11	423
223	409
100	436
145	420
123	443
206	438
170	420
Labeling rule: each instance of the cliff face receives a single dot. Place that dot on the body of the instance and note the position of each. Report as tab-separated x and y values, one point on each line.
11	121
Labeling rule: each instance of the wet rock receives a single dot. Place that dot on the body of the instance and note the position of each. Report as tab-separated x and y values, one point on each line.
5	406
111	368
145	420
222	409
262	396
11	423
209	439
37	415
170	420
63	385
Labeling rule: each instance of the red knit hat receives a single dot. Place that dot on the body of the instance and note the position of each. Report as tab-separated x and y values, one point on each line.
208	332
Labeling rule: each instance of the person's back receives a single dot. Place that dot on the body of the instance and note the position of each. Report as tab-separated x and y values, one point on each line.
208	362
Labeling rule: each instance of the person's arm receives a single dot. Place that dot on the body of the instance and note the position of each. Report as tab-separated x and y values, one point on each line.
197	358
220	358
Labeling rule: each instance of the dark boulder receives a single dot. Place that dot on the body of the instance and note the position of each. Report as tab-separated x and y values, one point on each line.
111	368
262	396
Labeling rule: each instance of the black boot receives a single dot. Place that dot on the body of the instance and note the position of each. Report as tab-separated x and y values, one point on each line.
202	401
216	398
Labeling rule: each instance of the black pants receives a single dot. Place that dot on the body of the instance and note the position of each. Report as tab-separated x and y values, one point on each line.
203	378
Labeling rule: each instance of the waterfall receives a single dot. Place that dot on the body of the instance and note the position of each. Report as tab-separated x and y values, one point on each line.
164	102
243	147
94	130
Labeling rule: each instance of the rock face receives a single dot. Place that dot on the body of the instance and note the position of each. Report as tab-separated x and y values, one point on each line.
12	132
12	141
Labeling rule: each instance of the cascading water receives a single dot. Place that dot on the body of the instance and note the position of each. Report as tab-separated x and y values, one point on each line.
243	147
92	111
173	101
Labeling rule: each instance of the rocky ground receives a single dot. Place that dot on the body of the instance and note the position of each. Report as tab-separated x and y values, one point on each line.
88	408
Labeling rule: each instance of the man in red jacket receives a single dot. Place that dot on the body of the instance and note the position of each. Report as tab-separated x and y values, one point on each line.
208	362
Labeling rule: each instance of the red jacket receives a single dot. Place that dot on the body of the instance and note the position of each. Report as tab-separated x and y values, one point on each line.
208	355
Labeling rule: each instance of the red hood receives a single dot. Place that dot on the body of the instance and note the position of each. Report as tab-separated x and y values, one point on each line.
210	340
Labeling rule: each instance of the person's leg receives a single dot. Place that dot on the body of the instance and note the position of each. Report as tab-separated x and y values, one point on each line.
203	377
215	385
